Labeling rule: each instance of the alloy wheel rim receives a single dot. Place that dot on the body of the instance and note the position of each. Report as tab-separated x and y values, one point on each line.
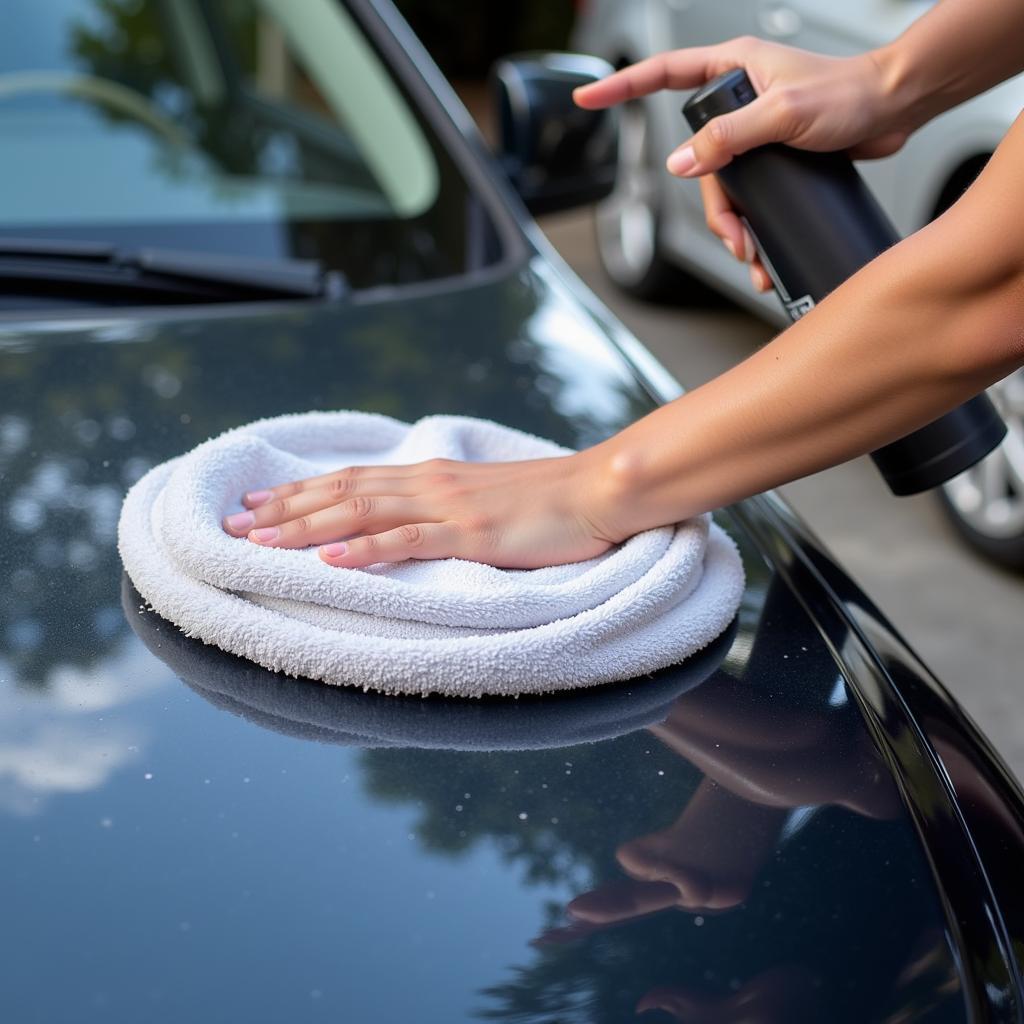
626	222
989	497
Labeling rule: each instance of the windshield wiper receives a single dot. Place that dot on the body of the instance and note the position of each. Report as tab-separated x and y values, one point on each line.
180	275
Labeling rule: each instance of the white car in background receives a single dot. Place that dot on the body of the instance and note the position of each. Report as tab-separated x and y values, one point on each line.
651	235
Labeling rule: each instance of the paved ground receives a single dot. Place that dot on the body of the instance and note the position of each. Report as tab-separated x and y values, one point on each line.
965	618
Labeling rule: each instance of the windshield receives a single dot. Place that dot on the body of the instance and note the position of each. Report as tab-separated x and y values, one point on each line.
252	127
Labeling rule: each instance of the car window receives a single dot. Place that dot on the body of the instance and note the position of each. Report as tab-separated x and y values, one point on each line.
264	127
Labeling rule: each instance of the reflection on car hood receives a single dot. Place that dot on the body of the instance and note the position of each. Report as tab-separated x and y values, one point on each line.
708	851
347	715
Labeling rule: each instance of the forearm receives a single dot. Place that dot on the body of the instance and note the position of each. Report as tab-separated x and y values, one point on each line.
957	50
917	331
922	328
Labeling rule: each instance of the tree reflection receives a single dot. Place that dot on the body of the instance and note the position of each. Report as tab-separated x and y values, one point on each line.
742	856
137	44
680	910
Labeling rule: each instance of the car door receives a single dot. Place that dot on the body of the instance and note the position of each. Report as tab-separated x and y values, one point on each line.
694	23
835	26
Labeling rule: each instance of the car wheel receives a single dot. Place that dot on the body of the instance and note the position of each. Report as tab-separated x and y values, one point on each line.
986	504
627	222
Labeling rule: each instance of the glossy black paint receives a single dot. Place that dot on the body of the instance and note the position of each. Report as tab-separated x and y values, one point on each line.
773	780
800	824
964	802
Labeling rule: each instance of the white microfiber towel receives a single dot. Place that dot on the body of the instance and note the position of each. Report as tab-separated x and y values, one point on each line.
418	627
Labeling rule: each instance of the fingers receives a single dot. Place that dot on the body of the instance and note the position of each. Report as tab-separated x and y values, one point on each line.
723	221
301	503
759	278
726	224
412	540
622	900
339	478
673	1001
728	135
359	515
680	69
767	119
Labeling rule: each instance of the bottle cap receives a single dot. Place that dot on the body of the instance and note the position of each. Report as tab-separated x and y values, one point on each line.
721	95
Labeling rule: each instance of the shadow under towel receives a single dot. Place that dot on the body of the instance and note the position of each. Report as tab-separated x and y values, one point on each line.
347	716
417	627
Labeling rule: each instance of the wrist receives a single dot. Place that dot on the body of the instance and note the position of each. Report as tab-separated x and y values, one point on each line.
902	94
614	482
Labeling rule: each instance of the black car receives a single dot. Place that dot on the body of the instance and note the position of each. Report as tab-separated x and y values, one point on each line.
218	210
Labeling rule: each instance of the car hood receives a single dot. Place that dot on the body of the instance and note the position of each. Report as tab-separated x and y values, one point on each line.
187	836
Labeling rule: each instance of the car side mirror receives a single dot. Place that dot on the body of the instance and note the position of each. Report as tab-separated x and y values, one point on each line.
556	154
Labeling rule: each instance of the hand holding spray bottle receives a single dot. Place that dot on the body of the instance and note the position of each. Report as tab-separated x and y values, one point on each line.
815	223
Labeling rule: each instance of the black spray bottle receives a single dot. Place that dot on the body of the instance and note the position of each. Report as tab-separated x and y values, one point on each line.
815	223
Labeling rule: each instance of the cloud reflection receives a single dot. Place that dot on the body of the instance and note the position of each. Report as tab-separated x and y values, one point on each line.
56	758
74	735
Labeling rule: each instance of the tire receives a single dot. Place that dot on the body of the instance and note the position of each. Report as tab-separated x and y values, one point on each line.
985	505
627	223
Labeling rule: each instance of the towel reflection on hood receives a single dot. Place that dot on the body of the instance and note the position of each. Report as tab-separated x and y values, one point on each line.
345	715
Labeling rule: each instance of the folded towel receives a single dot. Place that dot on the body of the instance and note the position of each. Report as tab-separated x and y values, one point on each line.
346	716
417	627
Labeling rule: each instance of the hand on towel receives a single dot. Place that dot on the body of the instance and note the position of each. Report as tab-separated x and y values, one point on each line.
515	515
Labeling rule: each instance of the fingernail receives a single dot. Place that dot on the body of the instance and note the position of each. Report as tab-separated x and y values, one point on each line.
334	550
762	282
258	497
264	535
727	242
749	249
240	521
682	161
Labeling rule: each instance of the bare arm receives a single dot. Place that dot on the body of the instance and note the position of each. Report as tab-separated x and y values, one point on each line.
917	331
914	333
957	50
